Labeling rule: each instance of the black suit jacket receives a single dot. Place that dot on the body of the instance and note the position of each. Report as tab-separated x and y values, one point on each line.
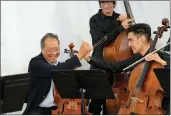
41	80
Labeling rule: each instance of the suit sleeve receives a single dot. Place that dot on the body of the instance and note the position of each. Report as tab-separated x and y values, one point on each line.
114	66
97	33
41	69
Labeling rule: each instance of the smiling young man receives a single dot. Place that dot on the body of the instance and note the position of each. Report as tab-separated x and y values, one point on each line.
40	100
139	39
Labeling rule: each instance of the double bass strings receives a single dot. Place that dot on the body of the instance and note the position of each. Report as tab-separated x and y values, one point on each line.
99	42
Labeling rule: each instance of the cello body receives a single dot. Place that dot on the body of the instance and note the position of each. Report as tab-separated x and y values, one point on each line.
68	106
146	94
148	99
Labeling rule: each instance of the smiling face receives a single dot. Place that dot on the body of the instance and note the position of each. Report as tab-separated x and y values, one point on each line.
51	50
135	42
138	43
139	38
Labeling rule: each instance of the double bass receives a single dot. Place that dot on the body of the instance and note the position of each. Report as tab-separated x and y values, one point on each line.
68	106
118	51
146	93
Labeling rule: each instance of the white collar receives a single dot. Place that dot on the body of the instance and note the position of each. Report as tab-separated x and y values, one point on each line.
53	63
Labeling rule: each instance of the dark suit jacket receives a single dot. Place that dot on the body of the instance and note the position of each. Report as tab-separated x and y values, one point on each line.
41	80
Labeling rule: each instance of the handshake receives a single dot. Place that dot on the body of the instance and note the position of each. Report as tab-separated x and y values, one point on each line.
84	51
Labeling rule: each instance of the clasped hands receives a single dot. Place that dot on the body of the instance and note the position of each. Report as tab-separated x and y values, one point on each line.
84	51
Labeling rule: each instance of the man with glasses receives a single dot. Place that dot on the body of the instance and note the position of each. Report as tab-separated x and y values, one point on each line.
40	99
105	23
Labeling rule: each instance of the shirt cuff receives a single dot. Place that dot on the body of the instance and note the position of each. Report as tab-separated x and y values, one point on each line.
76	60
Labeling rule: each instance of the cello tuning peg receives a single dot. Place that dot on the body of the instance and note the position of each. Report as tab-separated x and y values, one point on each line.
155	32
66	51
165	22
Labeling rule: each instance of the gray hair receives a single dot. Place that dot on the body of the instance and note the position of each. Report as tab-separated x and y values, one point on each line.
47	36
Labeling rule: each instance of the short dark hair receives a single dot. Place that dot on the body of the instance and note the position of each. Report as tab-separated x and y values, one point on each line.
46	36
141	29
114	2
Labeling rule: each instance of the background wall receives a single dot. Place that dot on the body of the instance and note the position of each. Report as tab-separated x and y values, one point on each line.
23	24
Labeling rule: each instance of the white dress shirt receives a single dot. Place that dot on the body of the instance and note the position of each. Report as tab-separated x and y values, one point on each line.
49	100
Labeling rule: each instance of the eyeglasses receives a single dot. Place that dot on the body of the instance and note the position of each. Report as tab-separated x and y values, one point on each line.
52	50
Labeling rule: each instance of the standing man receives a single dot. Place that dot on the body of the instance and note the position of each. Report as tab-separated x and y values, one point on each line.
40	100
105	23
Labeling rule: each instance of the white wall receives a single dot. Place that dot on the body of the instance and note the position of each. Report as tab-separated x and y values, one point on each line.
23	23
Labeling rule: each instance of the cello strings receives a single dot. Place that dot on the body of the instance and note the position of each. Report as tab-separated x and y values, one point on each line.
137	62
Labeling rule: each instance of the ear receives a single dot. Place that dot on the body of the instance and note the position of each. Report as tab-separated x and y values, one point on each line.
143	39
114	5
42	51
99	5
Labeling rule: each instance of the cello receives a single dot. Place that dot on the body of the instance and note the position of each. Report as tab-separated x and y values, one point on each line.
118	51
146	93
68	106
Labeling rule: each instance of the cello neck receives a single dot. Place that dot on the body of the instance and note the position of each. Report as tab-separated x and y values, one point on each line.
128	10
159	33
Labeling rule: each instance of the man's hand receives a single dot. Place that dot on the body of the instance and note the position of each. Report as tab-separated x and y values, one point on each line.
156	58
122	17
126	23
87	57
84	49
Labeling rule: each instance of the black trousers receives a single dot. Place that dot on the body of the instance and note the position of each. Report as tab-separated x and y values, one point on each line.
41	110
166	104
96	105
